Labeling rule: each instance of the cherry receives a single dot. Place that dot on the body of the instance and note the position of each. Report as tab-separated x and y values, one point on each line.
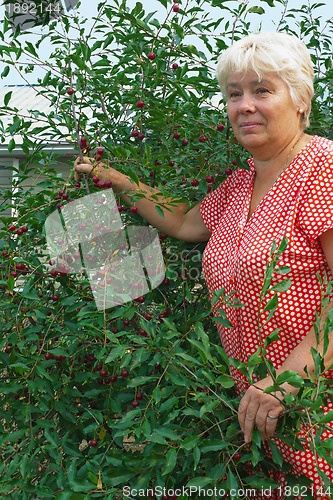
210	179
103	373
100	151
141	136
140	104
228	171
113	378
124	373
108	184
135	133
4	253
135	404
220	127
126	322
134	209
202	138
47	356
83	141
148	316
185	142
55	298
151	56
24	229
171	163
139	396
19	231
195	182
94	443
176	8
175	65
12	228
70	91
234	162
176	135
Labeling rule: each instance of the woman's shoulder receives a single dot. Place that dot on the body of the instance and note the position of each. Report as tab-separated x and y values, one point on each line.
321	147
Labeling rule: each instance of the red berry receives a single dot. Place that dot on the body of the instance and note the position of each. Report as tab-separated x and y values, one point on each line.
100	184
12	228
148	316
113	378
103	373
176	135
134	209
195	182
171	163
77	185
13	273
97	157
47	356
210	179
24	229
54	272
55	298
175	65
95	179
141	136
70	91
185	142
176	8
234	162
228	171
135	133
100	151
108	184
139	396
124	373
135	404
140	104
4	253
83	141
94	443
19	231
202	138
126	322
151	56
220	127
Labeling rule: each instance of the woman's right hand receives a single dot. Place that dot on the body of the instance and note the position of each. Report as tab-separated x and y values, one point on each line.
101	170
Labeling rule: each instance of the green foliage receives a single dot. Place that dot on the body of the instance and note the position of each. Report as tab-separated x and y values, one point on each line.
62	361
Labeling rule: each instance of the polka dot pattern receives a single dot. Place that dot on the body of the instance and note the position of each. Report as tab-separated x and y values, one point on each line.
300	206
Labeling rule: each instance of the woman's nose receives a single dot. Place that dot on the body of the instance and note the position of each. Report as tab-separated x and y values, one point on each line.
247	103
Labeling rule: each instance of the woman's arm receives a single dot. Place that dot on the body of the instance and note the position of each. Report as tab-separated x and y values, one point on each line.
255	406
180	223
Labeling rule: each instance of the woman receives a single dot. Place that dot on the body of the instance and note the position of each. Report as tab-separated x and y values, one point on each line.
267	82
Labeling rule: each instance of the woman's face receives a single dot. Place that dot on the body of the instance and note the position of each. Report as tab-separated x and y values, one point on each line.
262	113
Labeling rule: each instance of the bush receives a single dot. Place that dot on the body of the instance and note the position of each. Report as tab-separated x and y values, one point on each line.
99	403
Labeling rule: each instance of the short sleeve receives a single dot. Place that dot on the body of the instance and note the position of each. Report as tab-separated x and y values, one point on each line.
315	214
215	203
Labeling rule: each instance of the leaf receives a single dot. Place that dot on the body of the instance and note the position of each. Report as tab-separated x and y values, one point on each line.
291	377
7	98
256	10
11	145
282	286
223	321
5	72
170	461
271	304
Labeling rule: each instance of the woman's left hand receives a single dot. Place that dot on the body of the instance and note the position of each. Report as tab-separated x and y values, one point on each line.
259	409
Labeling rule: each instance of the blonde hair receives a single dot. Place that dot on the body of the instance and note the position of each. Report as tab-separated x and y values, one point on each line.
275	52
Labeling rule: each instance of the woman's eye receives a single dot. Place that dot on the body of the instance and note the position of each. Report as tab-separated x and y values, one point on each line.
262	91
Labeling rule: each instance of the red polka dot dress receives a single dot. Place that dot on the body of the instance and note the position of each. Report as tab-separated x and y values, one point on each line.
300	206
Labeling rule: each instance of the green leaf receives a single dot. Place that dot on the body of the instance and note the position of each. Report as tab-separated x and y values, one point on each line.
11	145
223	321
291	377
170	461
282	286
256	10
7	98
5	72
272	304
